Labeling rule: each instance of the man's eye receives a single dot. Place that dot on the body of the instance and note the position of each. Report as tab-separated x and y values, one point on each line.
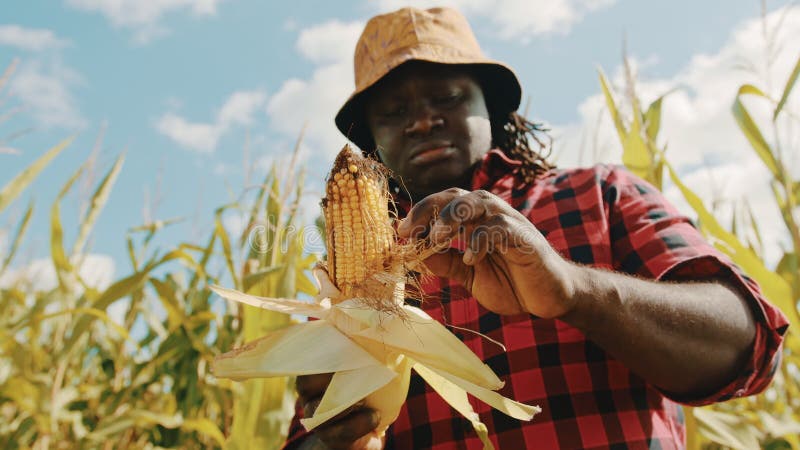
447	99
395	111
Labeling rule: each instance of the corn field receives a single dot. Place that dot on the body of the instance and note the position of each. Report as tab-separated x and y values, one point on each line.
71	376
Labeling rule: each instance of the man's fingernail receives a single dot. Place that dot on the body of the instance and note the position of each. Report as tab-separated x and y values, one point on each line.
469	256
376	418
402	225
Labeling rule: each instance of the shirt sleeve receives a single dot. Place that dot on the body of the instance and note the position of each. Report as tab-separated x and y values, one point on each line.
651	239
297	433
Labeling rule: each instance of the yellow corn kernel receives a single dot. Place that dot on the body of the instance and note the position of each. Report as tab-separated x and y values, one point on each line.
358	227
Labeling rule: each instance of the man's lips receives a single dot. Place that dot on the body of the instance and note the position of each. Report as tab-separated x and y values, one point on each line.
431	153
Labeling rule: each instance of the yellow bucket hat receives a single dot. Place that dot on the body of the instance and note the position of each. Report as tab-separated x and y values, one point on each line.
436	35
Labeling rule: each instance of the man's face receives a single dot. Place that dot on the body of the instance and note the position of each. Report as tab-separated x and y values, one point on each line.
430	125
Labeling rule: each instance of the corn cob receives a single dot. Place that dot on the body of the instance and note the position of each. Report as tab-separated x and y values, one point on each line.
359	233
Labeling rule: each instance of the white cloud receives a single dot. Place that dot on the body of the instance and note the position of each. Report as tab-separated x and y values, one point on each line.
704	141
144	16
316	100
96	270
238	110
44	90
33	39
329	42
516	19
240	107
202	137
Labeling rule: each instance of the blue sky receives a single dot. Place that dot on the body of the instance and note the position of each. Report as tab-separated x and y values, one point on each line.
181	85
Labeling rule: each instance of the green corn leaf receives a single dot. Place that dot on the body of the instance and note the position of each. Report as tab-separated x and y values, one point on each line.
653	118
787	89
175	315
131	252
207	252
60	261
254	211
751	130
274	209
789	268
753	223
775	288
18	235
92	312
205	427
226	248
11	191
257	277
99	200
116	291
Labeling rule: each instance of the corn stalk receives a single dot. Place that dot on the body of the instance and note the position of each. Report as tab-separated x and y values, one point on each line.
772	419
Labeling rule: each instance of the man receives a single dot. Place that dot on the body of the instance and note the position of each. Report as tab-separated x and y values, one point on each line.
611	306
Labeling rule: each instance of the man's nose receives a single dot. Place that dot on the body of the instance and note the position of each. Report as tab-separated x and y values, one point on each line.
424	119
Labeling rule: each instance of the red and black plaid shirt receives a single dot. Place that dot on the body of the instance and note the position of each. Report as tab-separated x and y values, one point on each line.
604	217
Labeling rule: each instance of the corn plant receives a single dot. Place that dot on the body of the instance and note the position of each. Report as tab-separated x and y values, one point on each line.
772	419
74	375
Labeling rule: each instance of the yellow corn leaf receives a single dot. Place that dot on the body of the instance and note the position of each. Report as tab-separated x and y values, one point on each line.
257	277
787	89
779	426
775	288
92	312
751	130
21	229
726	429
206	427
226	248
117	290
202	425
57	253
175	315
11	191
99	200
653	118
612	106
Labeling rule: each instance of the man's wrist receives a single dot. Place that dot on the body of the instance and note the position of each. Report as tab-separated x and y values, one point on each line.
593	294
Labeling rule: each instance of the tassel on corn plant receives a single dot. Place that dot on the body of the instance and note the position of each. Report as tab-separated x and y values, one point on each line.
365	334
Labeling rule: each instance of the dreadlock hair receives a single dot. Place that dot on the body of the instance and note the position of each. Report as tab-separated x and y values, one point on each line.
515	137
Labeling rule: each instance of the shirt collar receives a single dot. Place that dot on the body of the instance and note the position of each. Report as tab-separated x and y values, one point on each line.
494	168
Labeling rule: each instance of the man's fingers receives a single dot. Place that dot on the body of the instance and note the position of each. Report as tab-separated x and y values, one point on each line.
419	219
449	264
494	235
342	433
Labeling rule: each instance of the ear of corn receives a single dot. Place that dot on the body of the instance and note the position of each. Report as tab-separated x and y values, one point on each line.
358	227
370	348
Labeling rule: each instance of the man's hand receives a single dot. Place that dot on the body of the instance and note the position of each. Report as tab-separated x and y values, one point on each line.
508	266
687	338
352	429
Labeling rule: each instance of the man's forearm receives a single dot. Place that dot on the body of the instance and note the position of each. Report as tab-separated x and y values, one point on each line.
686	338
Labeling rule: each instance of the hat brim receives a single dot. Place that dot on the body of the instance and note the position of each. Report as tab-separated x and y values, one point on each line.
501	90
